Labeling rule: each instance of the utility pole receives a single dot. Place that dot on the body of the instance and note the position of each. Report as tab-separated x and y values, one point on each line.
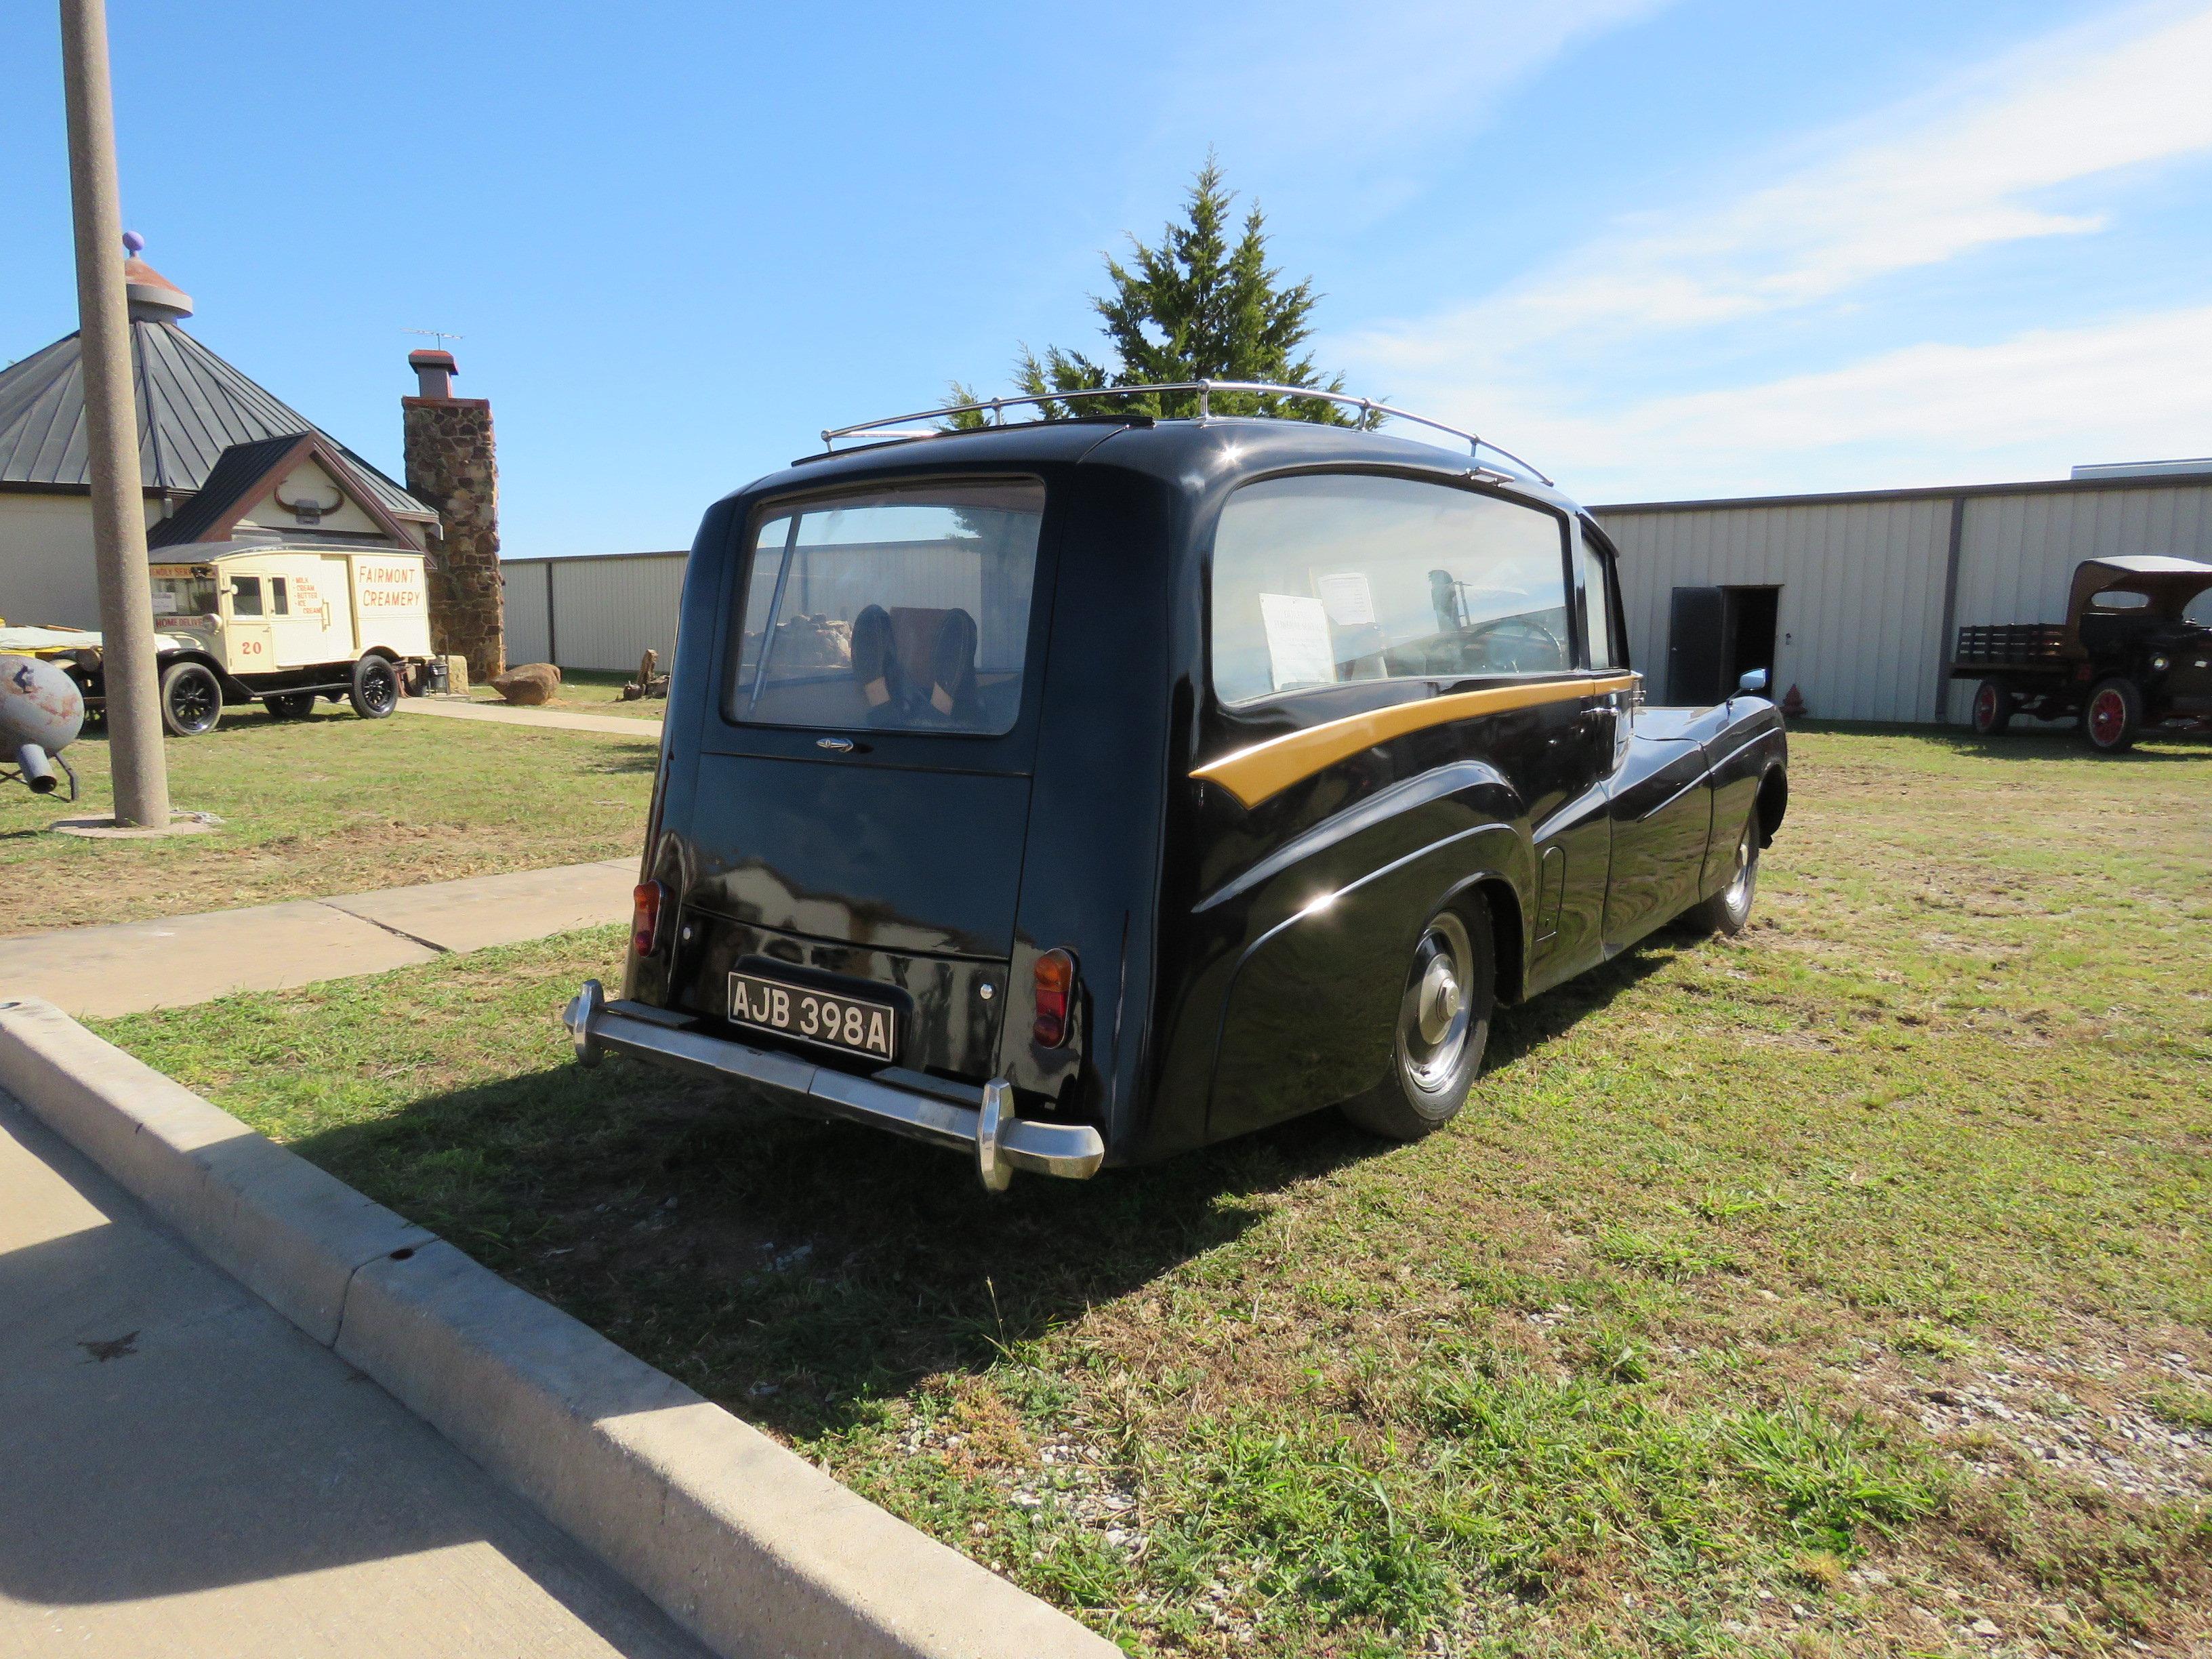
118	502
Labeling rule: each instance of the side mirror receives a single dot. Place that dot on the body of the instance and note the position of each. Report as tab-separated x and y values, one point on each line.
1754	683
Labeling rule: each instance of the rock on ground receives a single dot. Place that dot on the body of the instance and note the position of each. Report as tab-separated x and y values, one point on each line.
529	685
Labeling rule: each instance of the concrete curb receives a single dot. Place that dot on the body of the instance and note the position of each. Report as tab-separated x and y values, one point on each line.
743	1542
290	1233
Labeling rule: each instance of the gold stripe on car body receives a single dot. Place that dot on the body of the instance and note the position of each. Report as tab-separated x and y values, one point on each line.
1267	768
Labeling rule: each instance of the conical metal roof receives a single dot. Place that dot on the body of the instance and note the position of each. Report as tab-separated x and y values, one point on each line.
191	407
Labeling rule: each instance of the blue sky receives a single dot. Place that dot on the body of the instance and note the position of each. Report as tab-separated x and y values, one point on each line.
1665	250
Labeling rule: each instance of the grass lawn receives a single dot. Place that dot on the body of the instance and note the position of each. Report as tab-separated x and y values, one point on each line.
589	691
330	804
1841	1289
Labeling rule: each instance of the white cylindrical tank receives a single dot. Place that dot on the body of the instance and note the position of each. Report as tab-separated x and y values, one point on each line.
39	704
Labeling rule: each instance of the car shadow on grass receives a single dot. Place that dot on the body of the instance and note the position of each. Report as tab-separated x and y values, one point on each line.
798	1272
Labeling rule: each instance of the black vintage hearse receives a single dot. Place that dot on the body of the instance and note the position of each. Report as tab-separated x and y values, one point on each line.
1077	791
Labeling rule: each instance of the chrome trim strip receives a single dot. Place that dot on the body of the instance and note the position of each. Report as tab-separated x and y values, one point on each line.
999	1141
1748	742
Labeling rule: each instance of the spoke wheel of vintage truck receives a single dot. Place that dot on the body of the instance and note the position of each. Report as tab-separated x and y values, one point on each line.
2113	716
191	699
290	705
1443	1025
1992	708
375	691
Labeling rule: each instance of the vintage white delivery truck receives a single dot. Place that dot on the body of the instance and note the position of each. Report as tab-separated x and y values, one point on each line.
280	625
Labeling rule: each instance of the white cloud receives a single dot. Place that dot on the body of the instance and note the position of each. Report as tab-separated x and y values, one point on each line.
1970	164
1924	413
1915	186
1333	89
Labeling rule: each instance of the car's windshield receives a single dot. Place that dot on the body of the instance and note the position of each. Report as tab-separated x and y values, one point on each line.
905	608
188	595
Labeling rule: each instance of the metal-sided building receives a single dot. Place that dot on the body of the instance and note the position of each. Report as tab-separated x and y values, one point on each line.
1854	598
593	611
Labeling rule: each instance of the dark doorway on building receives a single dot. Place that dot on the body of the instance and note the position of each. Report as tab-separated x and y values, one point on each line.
1715	637
1747	632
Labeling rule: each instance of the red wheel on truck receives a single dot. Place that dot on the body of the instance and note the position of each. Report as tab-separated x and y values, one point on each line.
2113	716
1992	708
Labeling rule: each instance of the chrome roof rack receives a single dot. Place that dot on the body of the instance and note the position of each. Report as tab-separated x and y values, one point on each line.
996	408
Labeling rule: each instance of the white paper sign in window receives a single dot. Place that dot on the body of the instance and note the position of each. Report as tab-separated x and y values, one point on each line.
165	603
1348	598
1298	648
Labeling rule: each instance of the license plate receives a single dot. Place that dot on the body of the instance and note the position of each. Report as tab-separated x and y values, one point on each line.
853	1024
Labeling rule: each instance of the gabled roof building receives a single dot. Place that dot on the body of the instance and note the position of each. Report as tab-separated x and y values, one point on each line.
202	423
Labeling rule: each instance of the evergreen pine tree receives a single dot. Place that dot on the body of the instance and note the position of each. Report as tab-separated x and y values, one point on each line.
1194	306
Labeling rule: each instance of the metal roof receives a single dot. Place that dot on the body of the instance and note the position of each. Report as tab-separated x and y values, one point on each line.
191	407
2151	564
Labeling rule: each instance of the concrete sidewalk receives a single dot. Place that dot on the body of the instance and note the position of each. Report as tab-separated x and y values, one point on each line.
190	1474
560	720
127	967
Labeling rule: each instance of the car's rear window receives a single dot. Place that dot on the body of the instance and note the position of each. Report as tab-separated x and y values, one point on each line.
905	609
1328	578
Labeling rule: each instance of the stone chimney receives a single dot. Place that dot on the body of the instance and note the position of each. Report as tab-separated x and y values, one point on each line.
451	468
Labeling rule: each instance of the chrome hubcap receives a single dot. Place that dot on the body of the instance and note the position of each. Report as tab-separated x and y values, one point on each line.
1439	999
1433	1023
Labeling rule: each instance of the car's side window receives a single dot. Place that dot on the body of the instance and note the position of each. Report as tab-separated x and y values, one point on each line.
1599	609
246	596
1329	578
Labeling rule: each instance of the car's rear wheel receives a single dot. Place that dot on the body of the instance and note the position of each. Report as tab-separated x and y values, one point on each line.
1443	1027
375	691
1728	911
191	700
1992	708
290	705
2112	717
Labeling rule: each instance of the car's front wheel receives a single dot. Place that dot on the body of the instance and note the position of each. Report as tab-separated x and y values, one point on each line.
2112	717
1443	1027
191	699
1728	911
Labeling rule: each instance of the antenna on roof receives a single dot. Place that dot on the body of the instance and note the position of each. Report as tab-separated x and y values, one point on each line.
437	334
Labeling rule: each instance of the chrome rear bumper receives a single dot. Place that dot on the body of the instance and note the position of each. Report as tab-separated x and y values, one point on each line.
999	1142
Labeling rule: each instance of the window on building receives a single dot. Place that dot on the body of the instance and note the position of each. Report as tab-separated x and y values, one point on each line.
1329	578
246	596
279	600
905	609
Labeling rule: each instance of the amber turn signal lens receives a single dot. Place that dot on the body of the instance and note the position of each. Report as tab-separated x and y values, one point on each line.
1055	992
646	902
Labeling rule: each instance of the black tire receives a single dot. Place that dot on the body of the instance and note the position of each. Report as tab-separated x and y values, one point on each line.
1442	1025
1728	911
2112	718
1992	708
290	705
375	694
191	700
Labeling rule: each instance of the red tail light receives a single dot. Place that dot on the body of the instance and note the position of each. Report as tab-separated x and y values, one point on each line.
646	903
1055	992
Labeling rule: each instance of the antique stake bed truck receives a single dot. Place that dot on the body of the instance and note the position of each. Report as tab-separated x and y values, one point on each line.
1075	792
2134	652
